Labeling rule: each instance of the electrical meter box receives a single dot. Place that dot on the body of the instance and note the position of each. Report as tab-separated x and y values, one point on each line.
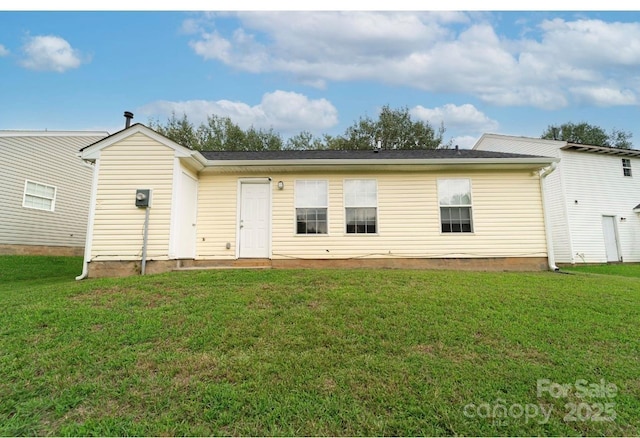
143	198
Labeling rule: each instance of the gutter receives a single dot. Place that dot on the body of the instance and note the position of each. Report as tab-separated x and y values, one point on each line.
551	259
92	215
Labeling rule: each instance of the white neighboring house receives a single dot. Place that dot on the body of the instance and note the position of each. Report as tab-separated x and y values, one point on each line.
46	191
592	198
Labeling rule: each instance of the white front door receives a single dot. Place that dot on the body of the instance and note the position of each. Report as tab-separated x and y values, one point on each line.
187	213
610	239
255	215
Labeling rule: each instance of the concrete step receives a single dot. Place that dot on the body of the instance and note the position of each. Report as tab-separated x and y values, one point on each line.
192	265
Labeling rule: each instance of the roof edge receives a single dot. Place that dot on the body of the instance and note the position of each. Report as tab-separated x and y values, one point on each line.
91	151
484	136
25	133
605	150
390	161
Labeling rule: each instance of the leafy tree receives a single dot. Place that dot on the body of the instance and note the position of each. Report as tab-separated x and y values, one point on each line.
220	134
584	133
217	134
394	129
305	141
260	140
620	139
178	130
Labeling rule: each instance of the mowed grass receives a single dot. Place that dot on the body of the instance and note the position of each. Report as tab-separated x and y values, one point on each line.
314	352
624	269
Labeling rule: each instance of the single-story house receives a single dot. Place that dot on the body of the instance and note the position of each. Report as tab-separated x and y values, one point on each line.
158	206
593	197
45	192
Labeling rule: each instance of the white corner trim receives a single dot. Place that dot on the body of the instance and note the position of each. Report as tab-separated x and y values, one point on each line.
173	230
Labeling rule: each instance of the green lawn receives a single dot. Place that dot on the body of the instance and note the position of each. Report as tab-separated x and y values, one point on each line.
624	269
315	352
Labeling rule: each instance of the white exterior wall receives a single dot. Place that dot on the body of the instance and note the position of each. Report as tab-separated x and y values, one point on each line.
507	215
600	188
51	159
598	185
556	202
137	162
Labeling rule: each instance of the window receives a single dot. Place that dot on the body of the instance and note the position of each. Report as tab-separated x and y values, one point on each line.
311	207
626	167
361	205
39	196
455	205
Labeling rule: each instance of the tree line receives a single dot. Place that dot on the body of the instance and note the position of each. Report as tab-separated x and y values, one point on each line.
584	133
393	129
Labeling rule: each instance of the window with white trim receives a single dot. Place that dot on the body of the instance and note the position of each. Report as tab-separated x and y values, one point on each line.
361	206
626	167
454	197
39	196
311	201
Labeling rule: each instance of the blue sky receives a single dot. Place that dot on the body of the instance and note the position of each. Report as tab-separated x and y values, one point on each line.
510	72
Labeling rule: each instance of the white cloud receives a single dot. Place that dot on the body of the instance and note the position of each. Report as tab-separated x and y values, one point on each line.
51	53
285	112
604	96
456	117
592	42
3	51
437	52
212	46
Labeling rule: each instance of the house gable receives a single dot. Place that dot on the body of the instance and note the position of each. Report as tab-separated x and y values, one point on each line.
92	152
519	145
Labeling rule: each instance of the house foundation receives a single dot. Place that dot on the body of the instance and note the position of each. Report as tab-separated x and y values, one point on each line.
41	250
129	268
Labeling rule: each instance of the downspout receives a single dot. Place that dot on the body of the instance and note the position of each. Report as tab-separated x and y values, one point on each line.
551	259
92	215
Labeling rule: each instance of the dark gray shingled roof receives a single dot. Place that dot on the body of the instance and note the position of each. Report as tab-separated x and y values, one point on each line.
417	154
357	155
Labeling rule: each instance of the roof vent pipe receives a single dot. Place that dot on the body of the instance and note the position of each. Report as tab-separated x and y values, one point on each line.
128	115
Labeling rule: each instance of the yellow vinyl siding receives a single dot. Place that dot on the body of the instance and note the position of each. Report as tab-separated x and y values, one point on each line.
136	162
507	217
217	207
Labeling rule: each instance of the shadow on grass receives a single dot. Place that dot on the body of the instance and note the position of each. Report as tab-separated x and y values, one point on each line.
17	269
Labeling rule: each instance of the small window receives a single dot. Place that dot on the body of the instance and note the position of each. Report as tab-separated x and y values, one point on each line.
311	207
626	167
361	206
39	196
455	205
